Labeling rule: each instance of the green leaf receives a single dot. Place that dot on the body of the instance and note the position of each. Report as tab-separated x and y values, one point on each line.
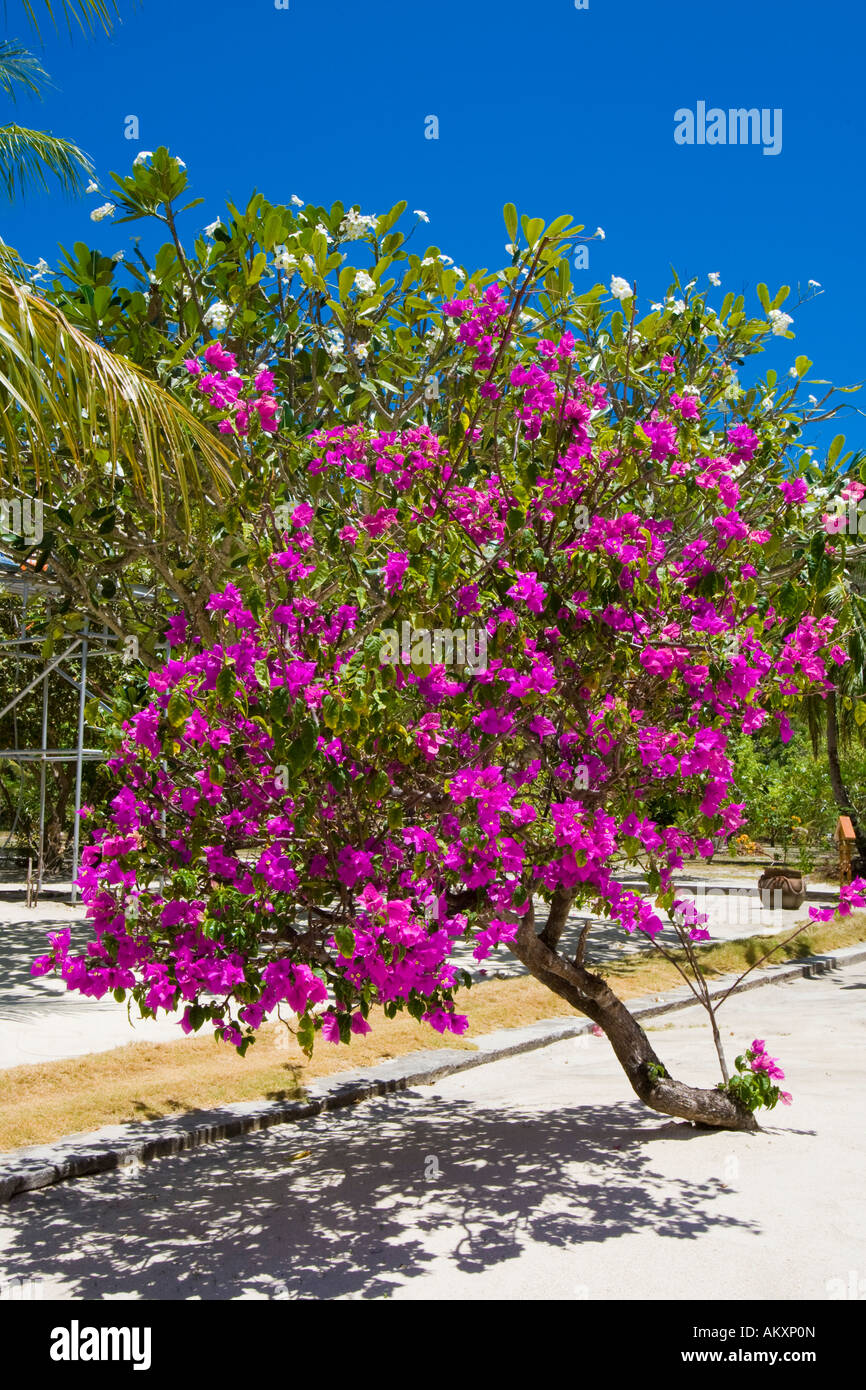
386	222
532	229
345	939
226	683
179	709
509	212
257	269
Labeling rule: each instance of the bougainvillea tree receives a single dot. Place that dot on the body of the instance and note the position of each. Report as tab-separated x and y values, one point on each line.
457	671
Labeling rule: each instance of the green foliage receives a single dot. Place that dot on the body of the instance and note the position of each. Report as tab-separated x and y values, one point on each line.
786	790
753	1089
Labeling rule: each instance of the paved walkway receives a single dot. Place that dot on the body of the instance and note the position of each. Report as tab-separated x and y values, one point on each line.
41	1021
539	1177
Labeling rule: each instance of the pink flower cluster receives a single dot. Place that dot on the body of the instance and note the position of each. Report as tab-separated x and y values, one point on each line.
760	1060
224	388
482	330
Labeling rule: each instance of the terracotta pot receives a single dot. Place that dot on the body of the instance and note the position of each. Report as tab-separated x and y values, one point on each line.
789	885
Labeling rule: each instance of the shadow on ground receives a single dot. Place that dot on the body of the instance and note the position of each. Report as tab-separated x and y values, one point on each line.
359	1203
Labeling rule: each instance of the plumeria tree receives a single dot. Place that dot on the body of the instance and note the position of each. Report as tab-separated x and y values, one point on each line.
455	670
341	307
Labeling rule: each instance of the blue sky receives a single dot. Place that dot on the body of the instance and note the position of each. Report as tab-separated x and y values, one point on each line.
553	108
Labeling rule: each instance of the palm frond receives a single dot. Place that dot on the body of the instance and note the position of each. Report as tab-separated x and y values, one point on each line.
71	407
88	14
30	156
18	68
11	262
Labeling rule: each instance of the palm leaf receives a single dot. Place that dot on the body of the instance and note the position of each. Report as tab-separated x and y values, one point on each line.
29	156
11	262
18	68
88	14
72	407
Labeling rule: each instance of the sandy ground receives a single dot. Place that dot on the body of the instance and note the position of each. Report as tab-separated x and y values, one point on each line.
40	1021
537	1177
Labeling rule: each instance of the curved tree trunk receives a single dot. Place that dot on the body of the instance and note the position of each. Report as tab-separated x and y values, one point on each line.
840	791
591	995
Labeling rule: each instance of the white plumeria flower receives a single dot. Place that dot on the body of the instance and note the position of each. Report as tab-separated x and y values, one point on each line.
779	322
41	268
814	284
620	288
298	202
334	346
429	260
422	215
511	248
360	350
678	306
599	231
142	156
714	277
92	187
99	214
118	256
365	283
657	308
792	371
325	233
217	315
446	260
282	259
813	400
355	224
211	227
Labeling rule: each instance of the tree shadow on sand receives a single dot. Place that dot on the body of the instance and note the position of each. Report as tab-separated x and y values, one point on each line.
356	1203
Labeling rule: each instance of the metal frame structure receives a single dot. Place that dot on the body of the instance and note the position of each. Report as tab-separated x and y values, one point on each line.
80	650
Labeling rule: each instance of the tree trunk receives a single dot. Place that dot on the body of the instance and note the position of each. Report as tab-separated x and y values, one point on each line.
840	791
648	1077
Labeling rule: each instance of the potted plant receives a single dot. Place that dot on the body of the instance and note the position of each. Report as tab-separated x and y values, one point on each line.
784	886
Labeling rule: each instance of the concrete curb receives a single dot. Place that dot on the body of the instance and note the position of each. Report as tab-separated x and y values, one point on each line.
124	1146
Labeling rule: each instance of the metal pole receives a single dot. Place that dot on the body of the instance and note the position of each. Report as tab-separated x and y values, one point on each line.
82	691
42	772
46	671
